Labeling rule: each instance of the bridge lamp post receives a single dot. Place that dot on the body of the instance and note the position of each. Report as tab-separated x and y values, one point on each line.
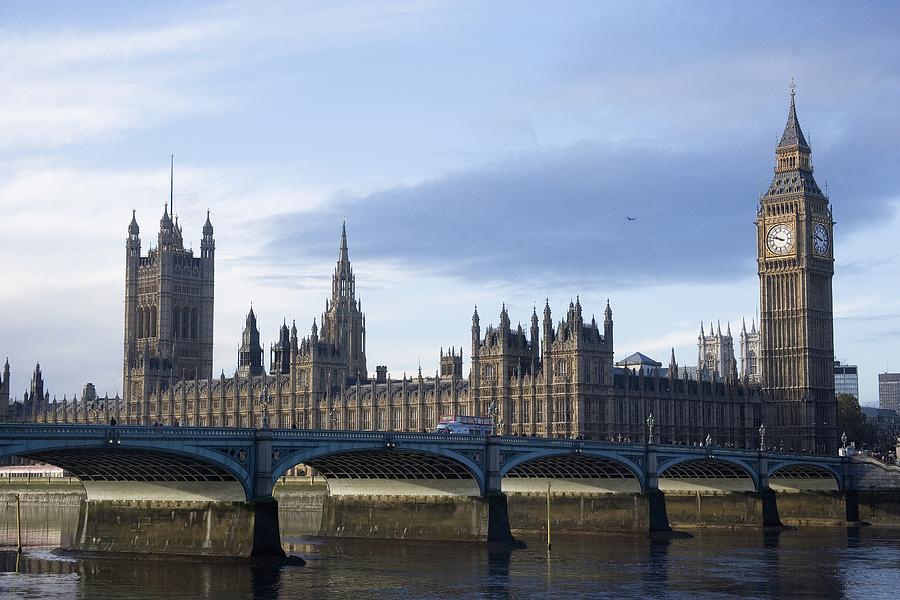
494	413
762	437
265	400
650	422
335	418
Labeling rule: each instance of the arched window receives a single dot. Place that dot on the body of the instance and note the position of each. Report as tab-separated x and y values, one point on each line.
147	322
195	324
176	315
562	367
140	322
153	321
185	322
751	362
710	361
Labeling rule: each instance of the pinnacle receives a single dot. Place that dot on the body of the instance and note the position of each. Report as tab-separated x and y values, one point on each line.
793	135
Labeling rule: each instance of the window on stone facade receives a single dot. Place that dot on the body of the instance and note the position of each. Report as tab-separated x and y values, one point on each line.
751	363
489	371
195	325
562	367
367	421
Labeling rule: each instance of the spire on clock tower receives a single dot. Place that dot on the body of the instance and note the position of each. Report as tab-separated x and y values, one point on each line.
793	162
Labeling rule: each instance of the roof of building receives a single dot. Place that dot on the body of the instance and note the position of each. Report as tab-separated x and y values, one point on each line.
638	358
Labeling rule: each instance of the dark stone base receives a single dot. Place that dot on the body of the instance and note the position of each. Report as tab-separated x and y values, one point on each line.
266	532
498	518
770	516
659	518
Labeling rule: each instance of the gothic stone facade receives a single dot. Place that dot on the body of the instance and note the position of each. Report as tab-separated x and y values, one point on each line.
556	380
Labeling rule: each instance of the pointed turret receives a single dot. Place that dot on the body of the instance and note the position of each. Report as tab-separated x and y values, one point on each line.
608	323
133	228
250	353
793	135
343	322
343	254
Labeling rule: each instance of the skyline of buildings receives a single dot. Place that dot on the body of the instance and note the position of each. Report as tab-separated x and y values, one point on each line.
560	381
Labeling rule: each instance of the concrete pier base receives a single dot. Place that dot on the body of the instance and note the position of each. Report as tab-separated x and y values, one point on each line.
458	518
226	529
580	512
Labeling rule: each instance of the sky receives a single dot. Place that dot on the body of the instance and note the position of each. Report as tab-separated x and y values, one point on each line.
480	152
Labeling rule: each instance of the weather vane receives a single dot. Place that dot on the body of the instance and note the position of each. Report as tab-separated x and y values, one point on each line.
793	86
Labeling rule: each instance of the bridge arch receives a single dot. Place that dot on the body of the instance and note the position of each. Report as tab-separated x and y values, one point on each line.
799	476
380	469
574	470
110	470
707	473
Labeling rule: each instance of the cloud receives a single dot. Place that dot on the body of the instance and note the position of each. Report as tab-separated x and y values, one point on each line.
560	217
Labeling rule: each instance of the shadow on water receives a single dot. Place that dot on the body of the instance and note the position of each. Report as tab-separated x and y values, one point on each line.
657	575
496	584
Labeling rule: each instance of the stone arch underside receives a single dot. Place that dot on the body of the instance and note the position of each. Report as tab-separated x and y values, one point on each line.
142	474
803	478
394	472
706	475
574	472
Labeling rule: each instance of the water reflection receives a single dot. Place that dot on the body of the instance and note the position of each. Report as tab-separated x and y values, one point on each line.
828	563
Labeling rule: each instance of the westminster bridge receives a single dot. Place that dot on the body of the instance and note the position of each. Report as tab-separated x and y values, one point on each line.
210	490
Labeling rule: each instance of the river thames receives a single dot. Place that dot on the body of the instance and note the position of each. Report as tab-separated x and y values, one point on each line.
807	563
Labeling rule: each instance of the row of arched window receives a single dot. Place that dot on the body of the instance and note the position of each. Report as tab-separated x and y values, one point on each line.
146	321
185	323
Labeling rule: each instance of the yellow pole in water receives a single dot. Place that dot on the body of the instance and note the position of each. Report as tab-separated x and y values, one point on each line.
18	524
548	516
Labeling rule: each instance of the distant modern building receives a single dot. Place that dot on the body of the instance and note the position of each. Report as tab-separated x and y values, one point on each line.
889	391
846	379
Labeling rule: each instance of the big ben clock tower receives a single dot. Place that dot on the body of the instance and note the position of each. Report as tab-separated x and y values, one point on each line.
796	265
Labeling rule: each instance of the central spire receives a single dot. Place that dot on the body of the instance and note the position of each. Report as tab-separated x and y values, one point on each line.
343	255
793	135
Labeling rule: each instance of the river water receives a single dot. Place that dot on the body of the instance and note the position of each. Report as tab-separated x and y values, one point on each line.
807	563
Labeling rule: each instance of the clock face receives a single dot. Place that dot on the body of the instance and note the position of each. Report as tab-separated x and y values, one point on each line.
820	239
780	239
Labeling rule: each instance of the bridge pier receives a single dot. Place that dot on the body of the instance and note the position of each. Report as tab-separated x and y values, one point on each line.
656	500
266	529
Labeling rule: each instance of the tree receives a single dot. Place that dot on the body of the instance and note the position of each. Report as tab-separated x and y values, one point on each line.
850	419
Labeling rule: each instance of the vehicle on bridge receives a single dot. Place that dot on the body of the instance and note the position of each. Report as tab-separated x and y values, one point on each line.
465	425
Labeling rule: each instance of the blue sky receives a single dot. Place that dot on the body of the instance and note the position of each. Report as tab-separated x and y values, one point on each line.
480	152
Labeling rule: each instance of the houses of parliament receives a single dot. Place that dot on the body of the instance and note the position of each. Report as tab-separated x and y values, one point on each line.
557	378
